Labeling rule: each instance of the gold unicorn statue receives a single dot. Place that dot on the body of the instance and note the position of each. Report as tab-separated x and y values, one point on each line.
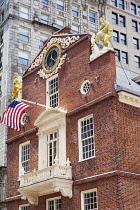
104	35
16	89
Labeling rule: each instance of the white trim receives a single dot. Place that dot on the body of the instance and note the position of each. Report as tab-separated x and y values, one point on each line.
51	199
82	197
20	146
47	90
23	205
79	137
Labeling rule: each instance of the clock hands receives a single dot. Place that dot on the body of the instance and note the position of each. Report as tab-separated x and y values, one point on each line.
52	53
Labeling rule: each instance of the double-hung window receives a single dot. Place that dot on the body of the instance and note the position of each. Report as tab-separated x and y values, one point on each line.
0	84
75	29
89	200
86	138
75	11
59	23
24	207
24	34
115	36
114	18
0	61
43	37
121	4
139	11
123	38
92	17
137	61
60	5
134	26
44	18
124	57
53	203
133	9
122	20
52	147
24	12
52	92
23	58
24	158
136	43
117	54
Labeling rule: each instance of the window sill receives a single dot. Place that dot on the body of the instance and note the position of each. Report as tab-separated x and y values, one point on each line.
86	159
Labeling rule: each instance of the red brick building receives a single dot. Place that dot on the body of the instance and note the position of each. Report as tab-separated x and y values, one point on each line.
81	151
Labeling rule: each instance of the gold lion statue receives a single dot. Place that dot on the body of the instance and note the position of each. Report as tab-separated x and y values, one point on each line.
104	35
16	89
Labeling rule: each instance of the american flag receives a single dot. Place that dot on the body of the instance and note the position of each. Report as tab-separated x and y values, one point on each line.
12	114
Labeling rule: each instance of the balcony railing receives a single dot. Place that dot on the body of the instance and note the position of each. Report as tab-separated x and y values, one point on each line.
56	178
46	174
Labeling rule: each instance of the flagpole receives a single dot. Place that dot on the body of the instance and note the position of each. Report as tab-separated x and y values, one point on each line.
31	102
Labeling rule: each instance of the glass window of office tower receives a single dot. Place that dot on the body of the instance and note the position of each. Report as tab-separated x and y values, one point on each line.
75	11
45	2
133	9
44	18
115	36
137	61
117	54
136	43
123	38
121	4
134	25
138	10
114	3
43	37
124	57
114	18
75	29
92	17
23	57
122	20
59	23
24	12
24	34
60	5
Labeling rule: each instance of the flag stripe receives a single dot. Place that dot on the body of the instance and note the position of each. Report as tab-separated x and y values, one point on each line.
12	115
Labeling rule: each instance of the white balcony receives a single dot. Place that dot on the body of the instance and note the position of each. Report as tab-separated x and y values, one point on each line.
56	178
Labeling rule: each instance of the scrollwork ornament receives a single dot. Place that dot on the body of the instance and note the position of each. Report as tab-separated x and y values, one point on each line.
45	75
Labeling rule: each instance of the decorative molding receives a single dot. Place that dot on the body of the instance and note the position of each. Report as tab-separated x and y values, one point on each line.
130	99
31	199
63	42
45	75
65	191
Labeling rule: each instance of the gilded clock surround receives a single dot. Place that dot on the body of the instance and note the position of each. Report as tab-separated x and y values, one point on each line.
56	61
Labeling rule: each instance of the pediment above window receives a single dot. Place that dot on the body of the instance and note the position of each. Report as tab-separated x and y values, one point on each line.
49	115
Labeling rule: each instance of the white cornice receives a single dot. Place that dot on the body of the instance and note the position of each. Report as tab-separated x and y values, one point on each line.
129	98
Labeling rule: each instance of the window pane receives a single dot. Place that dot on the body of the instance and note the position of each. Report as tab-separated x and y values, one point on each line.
138	11
114	18
75	29
122	21
114	3
24	35
134	26
92	17
133	8
53	92
24	12
75	10
44	2
60	5
44	18
60	23
23	58
124	57
121	4
90	201
42	39
117	55
136	43
115	36
137	62
123	39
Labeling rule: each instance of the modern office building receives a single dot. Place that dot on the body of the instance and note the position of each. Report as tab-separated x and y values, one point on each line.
79	151
24	25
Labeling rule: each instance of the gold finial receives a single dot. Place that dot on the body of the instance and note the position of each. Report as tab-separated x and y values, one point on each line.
16	89
104	35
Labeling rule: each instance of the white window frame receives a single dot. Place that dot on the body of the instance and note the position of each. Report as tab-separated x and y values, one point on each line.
52	199
52	141
82	197
80	140
47	88
24	14
21	170
24	205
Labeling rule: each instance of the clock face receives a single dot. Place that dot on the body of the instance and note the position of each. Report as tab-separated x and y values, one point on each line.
51	58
